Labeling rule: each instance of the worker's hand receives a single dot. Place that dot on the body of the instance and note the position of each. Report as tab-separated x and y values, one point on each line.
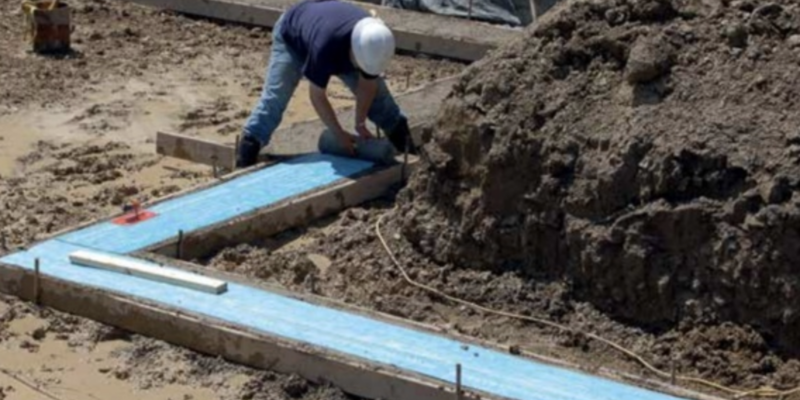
364	132
348	142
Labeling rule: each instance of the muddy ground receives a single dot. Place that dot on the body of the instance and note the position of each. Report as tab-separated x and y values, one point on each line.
85	126
76	143
627	168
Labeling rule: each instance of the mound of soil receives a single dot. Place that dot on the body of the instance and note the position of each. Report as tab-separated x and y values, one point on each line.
643	151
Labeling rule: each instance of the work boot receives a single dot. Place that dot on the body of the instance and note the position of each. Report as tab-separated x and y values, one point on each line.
400	136
247	153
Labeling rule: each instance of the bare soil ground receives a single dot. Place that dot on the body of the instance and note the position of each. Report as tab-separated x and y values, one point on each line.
76	142
46	353
597	68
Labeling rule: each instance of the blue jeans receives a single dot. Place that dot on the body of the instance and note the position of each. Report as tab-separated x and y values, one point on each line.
284	73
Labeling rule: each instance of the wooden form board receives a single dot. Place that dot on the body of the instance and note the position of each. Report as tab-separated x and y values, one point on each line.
417	32
195	149
299	211
234	343
144	270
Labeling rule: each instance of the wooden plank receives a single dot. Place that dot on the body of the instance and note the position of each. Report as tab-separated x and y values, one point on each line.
299	211
417	32
144	270
235	343
196	149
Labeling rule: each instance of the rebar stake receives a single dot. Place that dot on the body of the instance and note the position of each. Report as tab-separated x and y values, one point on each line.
36	283
459	394
180	245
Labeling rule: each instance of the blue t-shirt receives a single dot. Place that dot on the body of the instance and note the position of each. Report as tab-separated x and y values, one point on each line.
319	31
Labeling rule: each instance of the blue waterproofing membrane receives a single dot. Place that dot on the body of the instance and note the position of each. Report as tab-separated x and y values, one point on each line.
423	353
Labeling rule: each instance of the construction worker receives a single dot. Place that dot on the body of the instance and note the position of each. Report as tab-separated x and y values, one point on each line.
318	39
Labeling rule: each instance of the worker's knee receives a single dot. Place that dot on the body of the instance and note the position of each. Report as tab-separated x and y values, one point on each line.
385	112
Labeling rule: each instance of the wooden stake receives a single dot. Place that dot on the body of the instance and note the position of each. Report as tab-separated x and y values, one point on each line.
36	282
459	394
470	9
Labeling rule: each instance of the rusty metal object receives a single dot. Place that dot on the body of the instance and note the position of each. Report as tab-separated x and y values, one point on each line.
49	25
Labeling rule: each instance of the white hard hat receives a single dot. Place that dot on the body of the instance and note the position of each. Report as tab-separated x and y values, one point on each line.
373	45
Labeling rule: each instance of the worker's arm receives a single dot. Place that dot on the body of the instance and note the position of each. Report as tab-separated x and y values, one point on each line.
365	93
319	99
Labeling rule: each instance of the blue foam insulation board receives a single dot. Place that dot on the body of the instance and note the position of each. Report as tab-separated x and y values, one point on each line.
347	333
220	203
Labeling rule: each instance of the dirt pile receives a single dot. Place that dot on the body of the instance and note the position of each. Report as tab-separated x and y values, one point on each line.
644	151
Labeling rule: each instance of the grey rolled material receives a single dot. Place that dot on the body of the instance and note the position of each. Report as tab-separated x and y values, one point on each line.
379	151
